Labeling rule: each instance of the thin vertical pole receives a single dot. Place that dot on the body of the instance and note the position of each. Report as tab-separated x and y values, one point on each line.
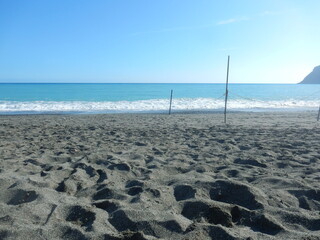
226	98
170	102
318	114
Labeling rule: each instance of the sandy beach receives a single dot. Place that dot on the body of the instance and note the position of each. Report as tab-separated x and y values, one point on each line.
184	176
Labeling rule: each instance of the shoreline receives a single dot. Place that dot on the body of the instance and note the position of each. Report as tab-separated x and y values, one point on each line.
173	112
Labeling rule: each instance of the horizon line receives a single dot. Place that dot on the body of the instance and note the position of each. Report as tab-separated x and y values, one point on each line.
139	83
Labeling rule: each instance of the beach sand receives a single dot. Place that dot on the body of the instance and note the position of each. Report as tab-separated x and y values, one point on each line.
184	176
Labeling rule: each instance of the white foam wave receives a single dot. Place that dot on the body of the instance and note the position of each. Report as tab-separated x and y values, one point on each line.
182	104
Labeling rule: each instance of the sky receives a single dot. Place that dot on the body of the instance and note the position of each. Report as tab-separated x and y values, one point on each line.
158	41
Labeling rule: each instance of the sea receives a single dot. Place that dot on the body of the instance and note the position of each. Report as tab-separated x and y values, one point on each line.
95	98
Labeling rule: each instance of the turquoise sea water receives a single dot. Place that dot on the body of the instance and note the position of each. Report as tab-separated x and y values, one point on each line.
113	98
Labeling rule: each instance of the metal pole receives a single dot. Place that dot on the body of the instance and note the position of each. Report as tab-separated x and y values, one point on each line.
226	98
318	114
170	102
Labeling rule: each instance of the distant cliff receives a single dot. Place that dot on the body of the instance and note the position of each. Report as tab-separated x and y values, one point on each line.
313	77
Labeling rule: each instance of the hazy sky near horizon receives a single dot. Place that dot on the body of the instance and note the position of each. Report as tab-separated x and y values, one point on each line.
269	41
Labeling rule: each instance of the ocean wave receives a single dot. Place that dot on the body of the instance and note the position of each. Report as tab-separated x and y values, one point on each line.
182	104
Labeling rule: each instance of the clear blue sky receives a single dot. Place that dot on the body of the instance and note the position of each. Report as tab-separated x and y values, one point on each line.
270	41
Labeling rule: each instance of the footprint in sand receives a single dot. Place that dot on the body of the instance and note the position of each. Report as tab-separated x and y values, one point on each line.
183	192
80	216
21	196
120	167
236	193
196	210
